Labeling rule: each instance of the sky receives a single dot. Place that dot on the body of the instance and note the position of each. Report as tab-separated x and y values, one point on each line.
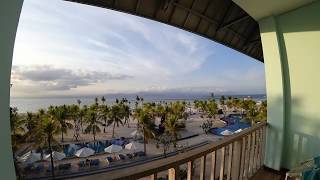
64	48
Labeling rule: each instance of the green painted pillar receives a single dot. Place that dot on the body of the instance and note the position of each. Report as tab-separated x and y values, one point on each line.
291	47
9	17
275	91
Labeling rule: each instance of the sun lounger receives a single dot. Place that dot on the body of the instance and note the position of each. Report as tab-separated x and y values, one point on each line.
49	168
139	154
82	164
121	157
66	166
28	167
94	163
109	159
39	168
130	156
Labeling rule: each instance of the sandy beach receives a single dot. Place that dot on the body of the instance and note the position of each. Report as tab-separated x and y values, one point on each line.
193	135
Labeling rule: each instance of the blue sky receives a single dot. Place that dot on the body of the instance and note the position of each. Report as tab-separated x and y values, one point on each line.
64	48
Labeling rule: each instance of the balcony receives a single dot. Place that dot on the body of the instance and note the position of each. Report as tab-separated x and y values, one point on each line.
238	156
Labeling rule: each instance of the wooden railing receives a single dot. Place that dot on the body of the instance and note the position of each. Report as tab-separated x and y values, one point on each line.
235	157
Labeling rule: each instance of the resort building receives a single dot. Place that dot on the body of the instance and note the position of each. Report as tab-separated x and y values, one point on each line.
283	34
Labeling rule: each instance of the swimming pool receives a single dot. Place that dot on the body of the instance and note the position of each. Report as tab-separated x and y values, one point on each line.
232	128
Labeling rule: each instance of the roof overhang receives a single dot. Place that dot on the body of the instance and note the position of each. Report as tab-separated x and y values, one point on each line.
222	21
259	9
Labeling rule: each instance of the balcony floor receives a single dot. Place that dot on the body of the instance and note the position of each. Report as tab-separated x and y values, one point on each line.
266	174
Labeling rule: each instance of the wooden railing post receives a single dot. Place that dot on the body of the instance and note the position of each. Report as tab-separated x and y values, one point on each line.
190	170
247	159
213	165
243	158
173	173
263	129
236	160
256	154
230	156
203	167
153	177
222	163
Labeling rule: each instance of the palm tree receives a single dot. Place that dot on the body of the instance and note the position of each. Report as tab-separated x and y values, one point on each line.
115	117
82	113
49	127
42	112
30	121
73	112
222	103
59	113
211	108
96	100
16	124
103	100
125	111
79	102
93	122
36	134
172	126
103	115
262	116
146	125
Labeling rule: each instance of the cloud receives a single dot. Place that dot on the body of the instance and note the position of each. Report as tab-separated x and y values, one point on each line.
68	48
53	78
111	40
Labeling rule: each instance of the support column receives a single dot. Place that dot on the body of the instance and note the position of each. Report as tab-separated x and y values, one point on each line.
290	44
9	17
274	69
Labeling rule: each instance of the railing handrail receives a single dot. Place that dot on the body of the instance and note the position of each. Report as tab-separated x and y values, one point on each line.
156	166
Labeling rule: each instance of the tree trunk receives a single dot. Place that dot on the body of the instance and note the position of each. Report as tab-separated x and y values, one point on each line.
144	142
94	133
51	158
61	134
105	124
114	125
128	123
81	125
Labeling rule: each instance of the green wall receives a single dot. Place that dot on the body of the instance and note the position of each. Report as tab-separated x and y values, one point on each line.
291	45
9	17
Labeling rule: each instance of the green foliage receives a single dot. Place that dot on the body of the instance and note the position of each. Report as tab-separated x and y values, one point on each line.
253	112
172	127
165	139
17	129
115	116
37	127
60	114
146	125
92	119
210	107
206	126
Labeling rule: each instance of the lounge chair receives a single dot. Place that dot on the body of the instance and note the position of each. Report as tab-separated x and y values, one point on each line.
82	164
130	156
29	167
140	154
49	168
39	168
66	166
121	157
94	163
109	159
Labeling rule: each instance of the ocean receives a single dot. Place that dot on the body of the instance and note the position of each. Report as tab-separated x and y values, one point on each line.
34	104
